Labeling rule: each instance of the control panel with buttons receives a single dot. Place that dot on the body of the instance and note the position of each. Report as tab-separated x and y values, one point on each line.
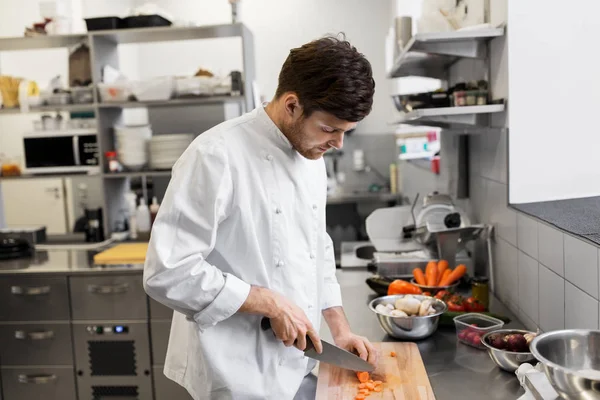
107	329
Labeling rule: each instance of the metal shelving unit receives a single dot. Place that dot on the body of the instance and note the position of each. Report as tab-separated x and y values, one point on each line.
430	54
103	51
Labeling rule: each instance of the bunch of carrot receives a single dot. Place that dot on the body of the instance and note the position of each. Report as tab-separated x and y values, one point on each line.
438	274
367	385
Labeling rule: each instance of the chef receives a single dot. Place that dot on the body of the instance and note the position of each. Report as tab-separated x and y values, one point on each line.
241	236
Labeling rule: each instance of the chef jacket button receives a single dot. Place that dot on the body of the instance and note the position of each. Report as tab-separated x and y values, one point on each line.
314	207
278	210
312	256
280	263
310	306
269	157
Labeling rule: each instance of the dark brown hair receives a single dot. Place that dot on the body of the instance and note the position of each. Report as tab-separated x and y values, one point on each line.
329	75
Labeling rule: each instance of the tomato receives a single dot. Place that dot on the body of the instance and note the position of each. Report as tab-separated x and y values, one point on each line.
473	305
453	306
427	294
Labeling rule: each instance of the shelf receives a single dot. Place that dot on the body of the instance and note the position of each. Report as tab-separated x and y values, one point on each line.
362	197
164	34
430	54
64	108
40	42
49	176
454	118
175	102
122	175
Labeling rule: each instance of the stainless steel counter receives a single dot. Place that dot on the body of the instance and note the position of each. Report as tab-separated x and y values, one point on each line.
63	262
456	371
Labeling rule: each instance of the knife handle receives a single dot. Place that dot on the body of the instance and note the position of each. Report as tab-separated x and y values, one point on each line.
265	324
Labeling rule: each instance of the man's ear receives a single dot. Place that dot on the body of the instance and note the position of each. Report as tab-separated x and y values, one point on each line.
292	106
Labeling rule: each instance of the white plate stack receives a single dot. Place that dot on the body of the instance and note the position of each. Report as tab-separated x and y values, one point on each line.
132	145
165	150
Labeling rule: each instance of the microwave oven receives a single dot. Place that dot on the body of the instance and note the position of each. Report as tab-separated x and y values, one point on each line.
61	152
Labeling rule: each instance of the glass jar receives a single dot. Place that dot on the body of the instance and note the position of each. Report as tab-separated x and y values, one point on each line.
481	291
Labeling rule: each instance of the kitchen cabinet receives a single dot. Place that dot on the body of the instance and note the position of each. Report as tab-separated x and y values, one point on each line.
34	299
36	344
38	383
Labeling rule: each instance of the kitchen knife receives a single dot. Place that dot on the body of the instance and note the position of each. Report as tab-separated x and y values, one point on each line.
331	354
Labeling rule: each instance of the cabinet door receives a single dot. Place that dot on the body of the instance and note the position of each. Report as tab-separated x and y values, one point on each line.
160	331
33	202
166	389
34	299
36	344
108	297
39	383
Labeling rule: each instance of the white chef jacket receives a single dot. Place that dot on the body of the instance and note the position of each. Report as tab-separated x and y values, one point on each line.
242	208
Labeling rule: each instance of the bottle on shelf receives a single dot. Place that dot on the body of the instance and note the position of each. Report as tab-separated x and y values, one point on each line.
143	217
153	210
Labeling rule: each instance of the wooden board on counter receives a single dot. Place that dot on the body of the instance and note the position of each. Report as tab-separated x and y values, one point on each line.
403	376
126	253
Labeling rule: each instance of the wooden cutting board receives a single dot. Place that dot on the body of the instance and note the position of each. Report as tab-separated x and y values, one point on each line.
126	253
404	376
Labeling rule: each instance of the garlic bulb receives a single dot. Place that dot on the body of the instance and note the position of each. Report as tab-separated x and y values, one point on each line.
530	336
426	308
398	314
390	306
382	309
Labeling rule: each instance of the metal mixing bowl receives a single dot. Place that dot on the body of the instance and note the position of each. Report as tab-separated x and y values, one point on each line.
408	328
507	360
571	360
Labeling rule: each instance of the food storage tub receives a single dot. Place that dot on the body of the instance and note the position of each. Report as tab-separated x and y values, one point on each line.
471	327
154	89
82	95
58	99
115	92
195	86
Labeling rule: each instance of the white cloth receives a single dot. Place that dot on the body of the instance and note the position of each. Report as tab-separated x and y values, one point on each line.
242	208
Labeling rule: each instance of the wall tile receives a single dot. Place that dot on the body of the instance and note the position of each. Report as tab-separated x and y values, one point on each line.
581	310
551	300
581	264
506	272
551	248
502	217
528	286
493	156
530	325
527	235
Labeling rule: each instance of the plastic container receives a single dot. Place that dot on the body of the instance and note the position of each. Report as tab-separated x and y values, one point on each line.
195	86
82	95
155	89
55	99
146	21
472	326
104	23
116	92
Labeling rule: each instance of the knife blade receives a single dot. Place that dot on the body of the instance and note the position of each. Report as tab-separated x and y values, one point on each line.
331	354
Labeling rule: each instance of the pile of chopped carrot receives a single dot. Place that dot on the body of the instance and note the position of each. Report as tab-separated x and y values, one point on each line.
367	386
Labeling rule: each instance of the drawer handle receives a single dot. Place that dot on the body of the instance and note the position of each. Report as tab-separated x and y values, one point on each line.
108	289
37	379
40	335
30	291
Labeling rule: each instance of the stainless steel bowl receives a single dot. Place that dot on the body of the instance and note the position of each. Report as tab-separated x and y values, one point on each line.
434	289
507	360
571	360
408	328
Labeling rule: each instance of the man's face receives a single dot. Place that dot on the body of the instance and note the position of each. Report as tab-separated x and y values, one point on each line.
313	136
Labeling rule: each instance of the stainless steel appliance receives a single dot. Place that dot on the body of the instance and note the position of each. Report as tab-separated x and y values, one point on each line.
54	152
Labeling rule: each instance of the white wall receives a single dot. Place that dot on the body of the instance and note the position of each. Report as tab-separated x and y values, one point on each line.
279	26
553	100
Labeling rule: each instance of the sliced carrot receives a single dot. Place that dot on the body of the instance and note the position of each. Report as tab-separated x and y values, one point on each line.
362	386
419	276
360	397
363	391
442	267
370	386
378	388
377	383
393	354
370	381
454	275
362	376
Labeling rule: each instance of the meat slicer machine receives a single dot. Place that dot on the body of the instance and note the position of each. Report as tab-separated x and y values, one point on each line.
407	237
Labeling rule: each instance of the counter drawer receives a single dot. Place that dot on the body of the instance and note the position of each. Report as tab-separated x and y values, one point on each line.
159	311
166	389
160	340
34	299
36	344
39	383
108	297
